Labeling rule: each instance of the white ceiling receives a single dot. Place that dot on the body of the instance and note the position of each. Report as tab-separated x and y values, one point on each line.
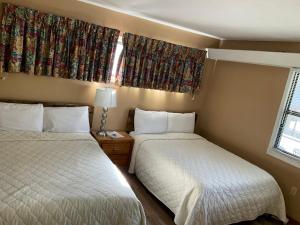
270	20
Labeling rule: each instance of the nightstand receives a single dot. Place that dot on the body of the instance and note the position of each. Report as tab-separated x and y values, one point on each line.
118	150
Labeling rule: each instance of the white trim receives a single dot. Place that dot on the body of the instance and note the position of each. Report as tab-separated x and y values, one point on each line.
271	150
281	59
284	157
135	14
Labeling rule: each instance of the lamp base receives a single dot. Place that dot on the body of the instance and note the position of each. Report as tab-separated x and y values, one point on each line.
102	133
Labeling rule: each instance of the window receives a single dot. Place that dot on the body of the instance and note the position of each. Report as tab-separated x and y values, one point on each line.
116	60
285	142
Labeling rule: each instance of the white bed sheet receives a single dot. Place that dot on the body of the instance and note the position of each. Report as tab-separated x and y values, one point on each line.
62	179
203	184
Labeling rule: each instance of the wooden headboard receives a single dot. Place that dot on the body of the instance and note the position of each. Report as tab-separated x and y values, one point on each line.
130	120
53	104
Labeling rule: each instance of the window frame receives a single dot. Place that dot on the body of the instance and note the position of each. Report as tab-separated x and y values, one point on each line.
272	150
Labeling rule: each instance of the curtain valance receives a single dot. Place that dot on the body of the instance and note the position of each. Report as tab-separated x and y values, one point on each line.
155	64
44	44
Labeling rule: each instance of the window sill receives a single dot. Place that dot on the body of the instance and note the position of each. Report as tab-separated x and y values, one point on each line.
284	157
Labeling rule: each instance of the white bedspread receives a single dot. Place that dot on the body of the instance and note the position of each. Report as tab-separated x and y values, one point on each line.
203	184
62	179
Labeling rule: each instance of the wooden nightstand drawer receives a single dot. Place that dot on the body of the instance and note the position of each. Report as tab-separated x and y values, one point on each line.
117	148
120	160
108	148
122	148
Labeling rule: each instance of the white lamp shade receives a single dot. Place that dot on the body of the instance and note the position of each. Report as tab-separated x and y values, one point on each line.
106	97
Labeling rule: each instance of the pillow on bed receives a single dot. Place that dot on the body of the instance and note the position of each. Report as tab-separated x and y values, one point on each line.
67	119
27	117
150	122
181	122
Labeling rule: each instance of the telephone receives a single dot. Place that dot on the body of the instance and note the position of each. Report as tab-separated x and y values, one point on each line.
114	134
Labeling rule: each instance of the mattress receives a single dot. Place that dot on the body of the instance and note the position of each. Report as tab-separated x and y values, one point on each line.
62	179
203	184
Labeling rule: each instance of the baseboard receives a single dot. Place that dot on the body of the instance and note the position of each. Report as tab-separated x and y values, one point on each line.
293	222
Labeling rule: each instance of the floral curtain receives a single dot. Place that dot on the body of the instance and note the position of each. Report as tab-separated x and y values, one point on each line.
44	44
155	64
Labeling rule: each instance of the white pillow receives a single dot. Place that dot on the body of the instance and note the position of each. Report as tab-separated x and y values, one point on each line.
27	117
150	122
67	119
181	122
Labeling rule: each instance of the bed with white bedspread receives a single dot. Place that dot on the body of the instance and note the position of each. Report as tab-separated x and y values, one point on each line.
62	179
201	183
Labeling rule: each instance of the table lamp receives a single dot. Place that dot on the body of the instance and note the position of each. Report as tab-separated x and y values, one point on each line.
105	98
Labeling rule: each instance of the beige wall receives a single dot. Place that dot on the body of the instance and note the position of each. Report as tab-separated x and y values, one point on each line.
247	98
27	87
239	112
